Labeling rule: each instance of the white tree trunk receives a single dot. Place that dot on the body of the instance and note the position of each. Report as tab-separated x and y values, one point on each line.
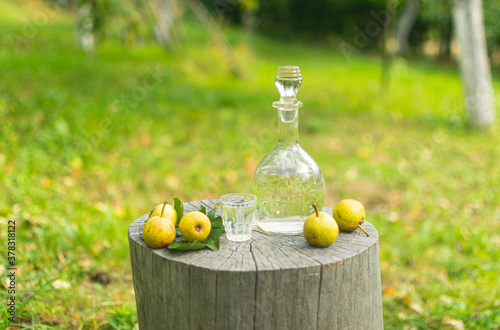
405	25
166	12
85	31
474	64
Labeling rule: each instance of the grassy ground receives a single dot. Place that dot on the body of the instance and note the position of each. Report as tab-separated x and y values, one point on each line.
87	145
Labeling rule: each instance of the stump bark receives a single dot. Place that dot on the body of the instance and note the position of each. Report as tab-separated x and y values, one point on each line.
268	282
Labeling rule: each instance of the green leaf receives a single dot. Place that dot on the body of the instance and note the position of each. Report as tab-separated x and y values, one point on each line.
177	231
179	208
203	209
186	246
211	215
211	242
217	231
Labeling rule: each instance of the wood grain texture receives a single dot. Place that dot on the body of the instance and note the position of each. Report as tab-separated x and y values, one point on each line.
268	282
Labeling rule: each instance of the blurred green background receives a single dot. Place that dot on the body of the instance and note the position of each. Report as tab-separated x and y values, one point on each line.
91	140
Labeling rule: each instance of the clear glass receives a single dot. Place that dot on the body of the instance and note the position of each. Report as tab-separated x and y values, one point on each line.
238	215
287	181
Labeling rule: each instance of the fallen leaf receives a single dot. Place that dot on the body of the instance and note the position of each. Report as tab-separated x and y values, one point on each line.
381	158
59	284
85	263
409	301
61	257
416	307
351	174
389	292
8	168
333	144
445	299
76	173
68	181
402	316
442	275
145	140
46	182
444	203
456	324
393	216
415	211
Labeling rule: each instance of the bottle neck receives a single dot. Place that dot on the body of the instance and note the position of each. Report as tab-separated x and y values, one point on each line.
288	127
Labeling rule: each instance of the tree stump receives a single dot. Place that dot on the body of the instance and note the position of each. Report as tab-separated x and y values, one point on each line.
268	282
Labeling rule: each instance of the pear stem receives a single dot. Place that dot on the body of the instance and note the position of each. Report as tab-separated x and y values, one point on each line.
364	231
163	208
316	209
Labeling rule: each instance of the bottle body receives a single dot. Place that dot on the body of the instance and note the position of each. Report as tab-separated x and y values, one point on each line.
286	190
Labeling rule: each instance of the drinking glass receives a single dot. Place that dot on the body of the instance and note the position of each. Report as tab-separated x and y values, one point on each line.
238	215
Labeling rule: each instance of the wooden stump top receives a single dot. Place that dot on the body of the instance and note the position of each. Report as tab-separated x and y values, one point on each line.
263	251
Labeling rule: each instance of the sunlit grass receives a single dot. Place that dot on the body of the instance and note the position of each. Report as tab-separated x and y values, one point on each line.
89	144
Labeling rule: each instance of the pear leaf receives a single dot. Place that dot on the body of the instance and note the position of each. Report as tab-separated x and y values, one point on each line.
211	242
186	246
217	231
179	208
211	215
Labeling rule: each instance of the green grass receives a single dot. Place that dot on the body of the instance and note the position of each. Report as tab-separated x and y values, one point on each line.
87	145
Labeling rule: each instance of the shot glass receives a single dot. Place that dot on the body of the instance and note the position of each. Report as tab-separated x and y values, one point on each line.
238	215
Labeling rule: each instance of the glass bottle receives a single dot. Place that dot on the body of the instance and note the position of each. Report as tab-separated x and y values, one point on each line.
287	181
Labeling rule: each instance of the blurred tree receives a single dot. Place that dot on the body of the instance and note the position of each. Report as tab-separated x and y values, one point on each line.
436	16
167	14
119	18
405	24
434	23
129	20
491	10
249	18
217	36
474	65
313	20
88	23
133	19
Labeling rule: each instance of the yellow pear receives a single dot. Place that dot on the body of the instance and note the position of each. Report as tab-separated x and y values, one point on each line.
195	226
349	214
159	231
320	229
168	212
